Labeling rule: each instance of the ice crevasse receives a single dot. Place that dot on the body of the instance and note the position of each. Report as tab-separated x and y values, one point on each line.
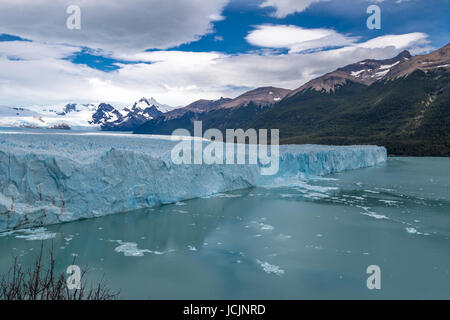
47	179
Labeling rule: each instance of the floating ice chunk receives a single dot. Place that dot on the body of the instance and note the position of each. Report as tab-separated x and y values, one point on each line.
270	268
38	234
411	230
283	237
130	249
374	215
161	252
192	248
369	213
226	195
312	246
266	227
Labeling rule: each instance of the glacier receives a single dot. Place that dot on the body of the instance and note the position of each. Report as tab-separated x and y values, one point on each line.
48	178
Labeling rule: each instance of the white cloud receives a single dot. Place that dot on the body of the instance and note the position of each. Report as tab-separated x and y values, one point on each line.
284	8
26	50
114	25
298	39
173	77
36	73
295	38
287	7
400	41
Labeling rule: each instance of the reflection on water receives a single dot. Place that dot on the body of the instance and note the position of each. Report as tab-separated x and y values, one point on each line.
308	240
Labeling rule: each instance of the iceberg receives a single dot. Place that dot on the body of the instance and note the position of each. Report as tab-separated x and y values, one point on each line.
61	177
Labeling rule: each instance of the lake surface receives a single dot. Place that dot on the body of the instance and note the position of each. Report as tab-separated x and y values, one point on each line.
310	240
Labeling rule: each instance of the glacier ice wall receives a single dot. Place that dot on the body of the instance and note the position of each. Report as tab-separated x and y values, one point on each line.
53	178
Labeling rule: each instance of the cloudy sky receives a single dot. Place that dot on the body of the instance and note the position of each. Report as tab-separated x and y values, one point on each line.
178	51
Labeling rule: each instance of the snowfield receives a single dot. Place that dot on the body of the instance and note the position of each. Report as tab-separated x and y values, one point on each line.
60	177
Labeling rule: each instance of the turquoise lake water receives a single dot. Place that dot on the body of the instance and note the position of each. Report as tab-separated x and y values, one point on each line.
310	240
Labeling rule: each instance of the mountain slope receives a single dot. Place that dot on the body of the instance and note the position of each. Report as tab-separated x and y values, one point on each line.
365	72
407	109
263	96
209	111
402	103
198	106
220	118
410	115
370	70
436	59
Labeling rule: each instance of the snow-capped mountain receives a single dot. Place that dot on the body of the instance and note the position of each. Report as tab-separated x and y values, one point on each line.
93	116
366	72
128	119
106	114
263	96
370	71
144	103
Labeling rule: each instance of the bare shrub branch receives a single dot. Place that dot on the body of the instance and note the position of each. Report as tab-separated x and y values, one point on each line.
38	282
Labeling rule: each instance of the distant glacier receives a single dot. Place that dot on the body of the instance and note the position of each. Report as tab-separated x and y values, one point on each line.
53	178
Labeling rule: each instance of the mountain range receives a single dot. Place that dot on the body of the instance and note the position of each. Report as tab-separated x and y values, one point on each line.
102	116
402	103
